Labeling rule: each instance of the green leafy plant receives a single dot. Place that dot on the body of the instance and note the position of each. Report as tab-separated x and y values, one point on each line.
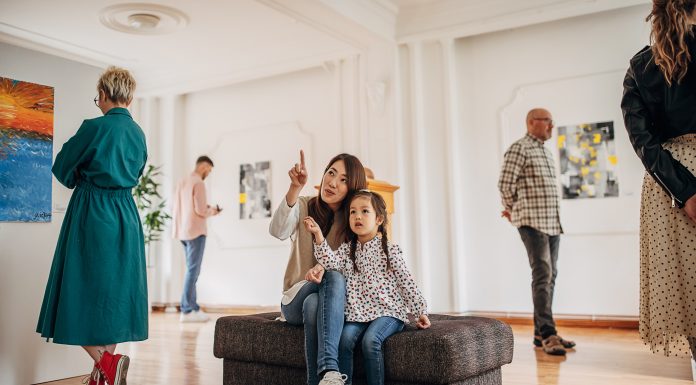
152	214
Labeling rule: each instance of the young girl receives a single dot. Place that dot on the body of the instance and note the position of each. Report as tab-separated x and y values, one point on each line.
380	289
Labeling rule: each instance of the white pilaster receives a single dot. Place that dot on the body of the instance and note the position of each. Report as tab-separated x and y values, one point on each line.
454	185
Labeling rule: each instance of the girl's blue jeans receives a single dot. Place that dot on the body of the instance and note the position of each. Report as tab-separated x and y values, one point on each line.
371	336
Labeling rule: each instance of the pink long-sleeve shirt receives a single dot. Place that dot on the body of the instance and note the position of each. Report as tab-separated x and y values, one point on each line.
190	209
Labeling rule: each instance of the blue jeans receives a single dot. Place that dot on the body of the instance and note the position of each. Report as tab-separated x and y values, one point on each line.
542	250
373	335
320	308
194	257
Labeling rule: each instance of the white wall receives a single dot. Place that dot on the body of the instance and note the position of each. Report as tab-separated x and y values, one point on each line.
27	248
269	119
574	68
460	103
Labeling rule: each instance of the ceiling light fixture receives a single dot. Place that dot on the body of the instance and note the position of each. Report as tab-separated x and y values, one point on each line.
143	19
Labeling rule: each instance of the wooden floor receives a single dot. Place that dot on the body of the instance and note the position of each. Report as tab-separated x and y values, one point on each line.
182	354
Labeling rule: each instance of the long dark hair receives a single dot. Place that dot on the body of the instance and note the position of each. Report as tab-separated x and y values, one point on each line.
380	208
670	29
320	210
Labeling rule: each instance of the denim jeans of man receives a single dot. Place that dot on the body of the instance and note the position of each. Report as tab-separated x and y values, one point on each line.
194	257
371	336
542	250
320	308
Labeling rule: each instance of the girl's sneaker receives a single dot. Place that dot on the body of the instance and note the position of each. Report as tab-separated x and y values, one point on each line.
333	378
114	368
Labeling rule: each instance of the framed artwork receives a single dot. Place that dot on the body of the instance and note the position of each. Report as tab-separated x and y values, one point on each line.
244	179
255	190
26	151
587	156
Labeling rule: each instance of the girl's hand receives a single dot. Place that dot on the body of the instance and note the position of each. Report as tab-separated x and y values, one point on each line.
298	174
423	322
315	274
312	226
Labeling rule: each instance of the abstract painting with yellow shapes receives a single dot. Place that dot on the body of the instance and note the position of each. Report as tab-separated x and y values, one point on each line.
26	151
587	153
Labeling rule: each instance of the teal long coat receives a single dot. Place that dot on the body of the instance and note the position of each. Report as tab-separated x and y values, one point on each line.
97	289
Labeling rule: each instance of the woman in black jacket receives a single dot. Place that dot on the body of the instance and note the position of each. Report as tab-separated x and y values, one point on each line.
659	109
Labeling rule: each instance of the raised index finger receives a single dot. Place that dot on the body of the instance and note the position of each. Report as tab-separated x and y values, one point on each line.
302	165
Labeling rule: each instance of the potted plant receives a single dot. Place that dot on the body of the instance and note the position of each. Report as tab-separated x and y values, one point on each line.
151	207
152	214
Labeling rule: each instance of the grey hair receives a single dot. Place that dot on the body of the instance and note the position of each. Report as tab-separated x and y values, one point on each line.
118	85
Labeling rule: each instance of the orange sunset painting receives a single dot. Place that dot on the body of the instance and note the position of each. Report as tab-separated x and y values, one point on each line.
26	151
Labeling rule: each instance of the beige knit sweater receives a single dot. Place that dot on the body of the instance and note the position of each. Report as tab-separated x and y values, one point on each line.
287	222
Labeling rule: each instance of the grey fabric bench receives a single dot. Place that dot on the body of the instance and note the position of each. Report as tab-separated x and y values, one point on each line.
256	349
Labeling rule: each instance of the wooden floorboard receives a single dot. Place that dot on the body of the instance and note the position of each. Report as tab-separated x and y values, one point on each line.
182	354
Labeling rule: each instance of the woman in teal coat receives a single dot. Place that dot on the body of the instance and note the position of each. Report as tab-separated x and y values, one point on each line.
96	295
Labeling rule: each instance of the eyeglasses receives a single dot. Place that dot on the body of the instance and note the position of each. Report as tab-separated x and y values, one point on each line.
546	120
96	101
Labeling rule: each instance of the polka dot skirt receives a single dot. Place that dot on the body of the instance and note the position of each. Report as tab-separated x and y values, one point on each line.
668	263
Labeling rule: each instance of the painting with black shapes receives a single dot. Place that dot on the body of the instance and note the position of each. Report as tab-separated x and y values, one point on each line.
255	190
588	160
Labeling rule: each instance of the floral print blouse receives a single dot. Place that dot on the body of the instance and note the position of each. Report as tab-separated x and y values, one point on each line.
374	292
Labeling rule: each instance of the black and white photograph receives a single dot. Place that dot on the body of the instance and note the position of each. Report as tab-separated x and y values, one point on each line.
255	190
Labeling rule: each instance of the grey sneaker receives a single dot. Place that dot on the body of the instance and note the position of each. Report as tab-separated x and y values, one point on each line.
333	378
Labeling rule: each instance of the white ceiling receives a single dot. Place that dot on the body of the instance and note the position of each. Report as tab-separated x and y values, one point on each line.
222	39
227	41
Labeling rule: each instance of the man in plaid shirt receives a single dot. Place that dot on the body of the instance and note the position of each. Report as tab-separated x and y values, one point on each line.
529	193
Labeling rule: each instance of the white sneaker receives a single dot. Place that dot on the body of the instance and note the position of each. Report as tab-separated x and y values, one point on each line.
693	370
193	316
203	314
333	378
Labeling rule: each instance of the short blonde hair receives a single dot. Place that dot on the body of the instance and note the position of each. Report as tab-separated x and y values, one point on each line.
118	85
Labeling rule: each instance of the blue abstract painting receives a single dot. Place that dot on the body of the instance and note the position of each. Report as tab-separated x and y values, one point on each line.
26	151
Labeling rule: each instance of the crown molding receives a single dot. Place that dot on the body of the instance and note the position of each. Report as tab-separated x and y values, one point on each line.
457	19
177	85
38	42
378	16
327	16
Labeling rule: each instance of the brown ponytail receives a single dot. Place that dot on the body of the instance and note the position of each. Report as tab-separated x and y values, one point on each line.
670	28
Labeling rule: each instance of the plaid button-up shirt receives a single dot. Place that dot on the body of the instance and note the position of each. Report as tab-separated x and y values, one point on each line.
528	186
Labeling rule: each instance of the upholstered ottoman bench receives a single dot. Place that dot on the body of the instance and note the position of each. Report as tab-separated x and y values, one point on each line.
256	349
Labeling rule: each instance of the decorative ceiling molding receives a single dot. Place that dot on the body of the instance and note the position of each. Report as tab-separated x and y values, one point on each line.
178	85
378	16
459	18
143	18
324	18
38	42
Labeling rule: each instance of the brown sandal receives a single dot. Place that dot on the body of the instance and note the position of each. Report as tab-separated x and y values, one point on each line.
552	345
568	344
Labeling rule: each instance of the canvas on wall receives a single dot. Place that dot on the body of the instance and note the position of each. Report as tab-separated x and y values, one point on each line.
26	151
587	154
255	190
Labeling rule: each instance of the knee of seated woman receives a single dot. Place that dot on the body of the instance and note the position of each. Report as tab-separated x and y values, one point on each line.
309	308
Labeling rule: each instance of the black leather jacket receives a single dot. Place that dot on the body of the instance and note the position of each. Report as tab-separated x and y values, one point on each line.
655	112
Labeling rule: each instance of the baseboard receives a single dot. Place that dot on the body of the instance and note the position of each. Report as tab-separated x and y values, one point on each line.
568	320
512	318
224	309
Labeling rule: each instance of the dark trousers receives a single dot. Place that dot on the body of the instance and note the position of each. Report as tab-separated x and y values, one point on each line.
542	250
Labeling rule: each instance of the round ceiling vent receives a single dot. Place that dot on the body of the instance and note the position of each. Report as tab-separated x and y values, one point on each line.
143	19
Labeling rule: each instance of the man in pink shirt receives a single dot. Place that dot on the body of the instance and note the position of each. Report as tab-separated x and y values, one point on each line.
190	212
